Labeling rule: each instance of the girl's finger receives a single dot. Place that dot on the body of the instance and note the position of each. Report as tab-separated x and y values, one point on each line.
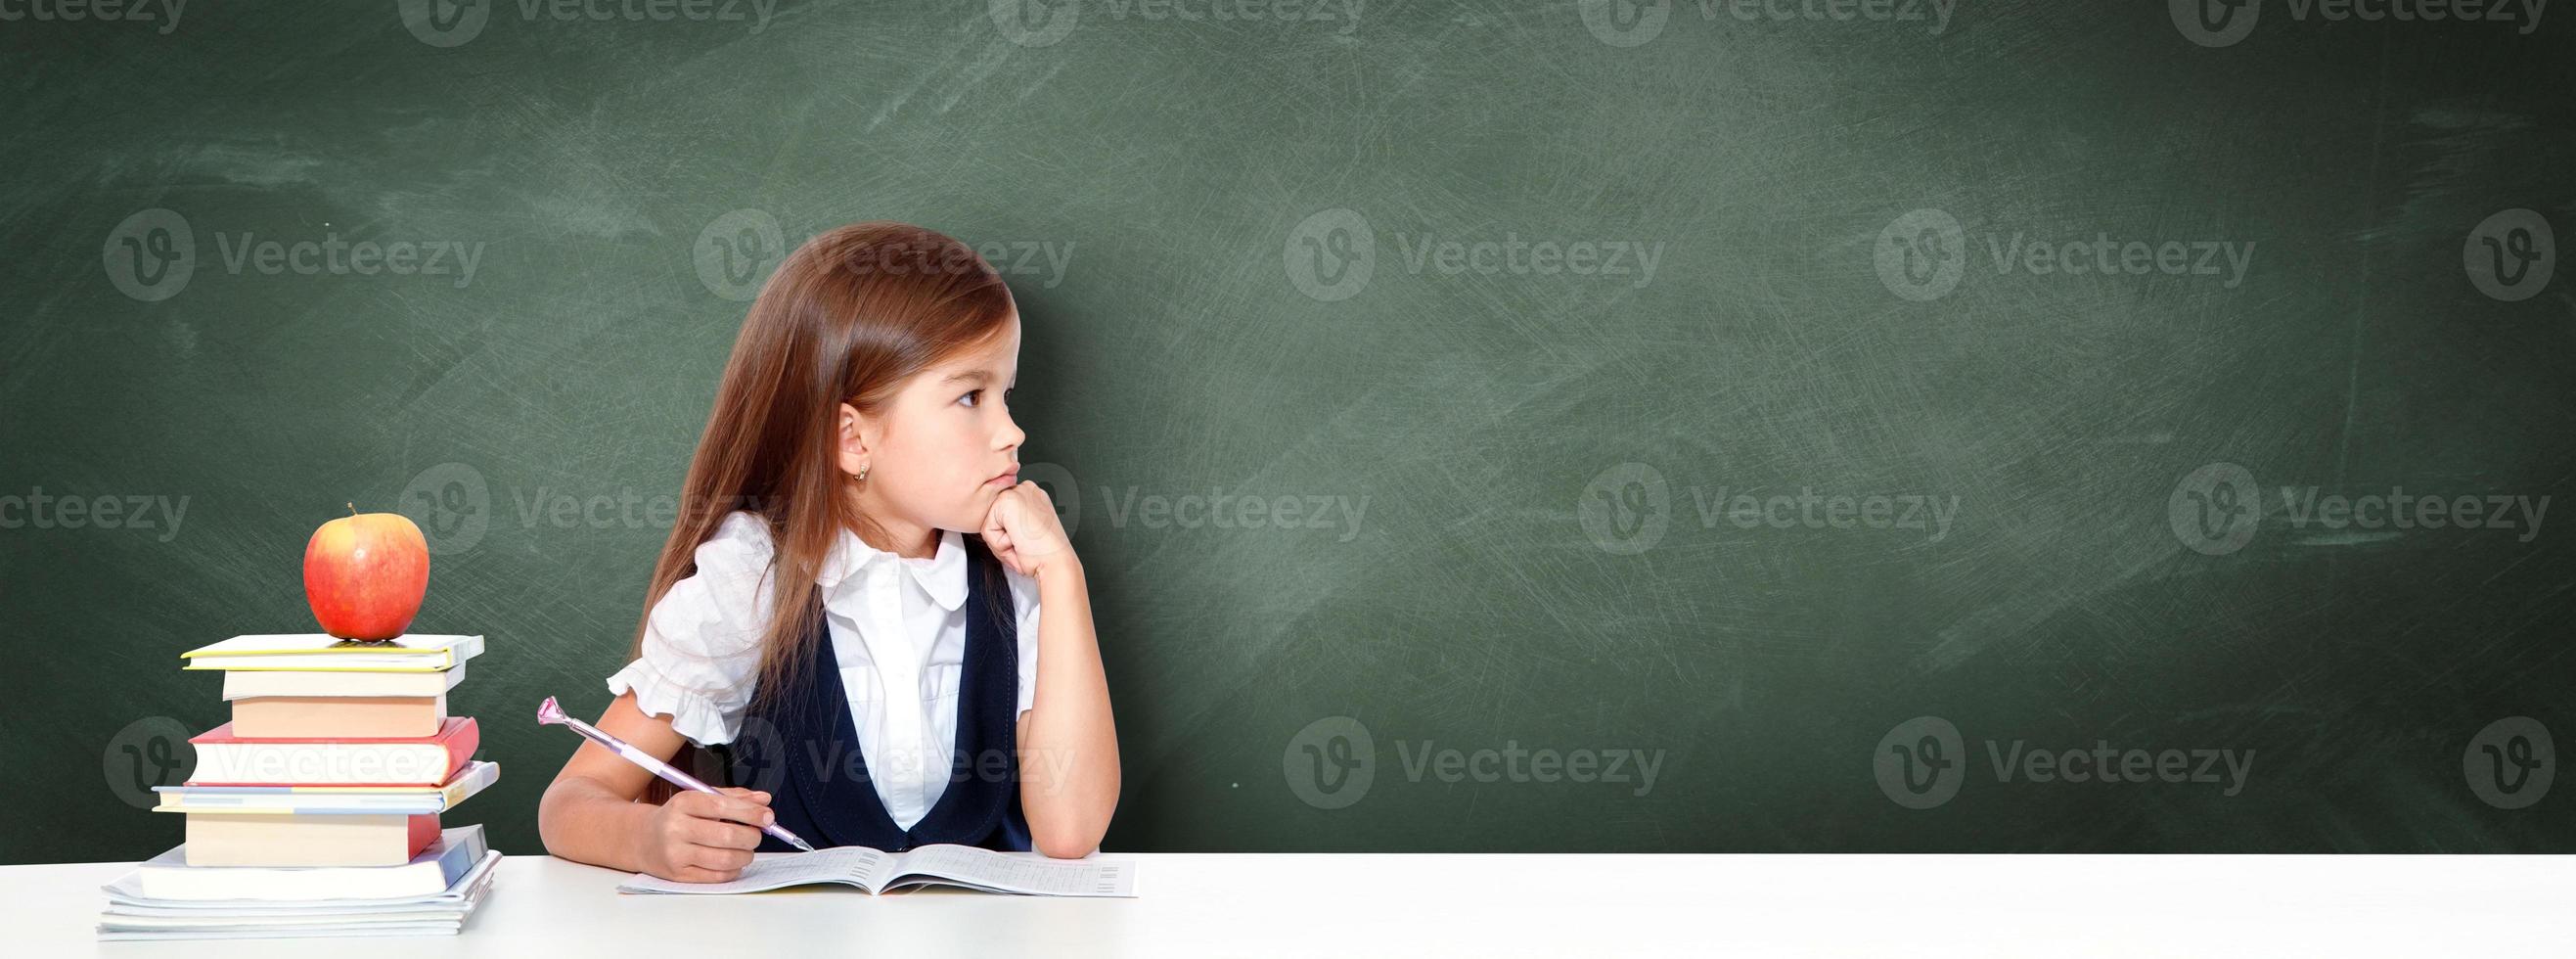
1037	495
1028	500
701	874
712	834
1031	512
717	859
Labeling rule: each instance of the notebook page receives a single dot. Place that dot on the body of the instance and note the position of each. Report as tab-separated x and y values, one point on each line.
1018	872
851	865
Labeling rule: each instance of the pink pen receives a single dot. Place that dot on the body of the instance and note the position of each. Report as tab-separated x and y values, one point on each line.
550	714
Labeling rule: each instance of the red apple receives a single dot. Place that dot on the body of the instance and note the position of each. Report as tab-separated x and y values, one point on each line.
365	573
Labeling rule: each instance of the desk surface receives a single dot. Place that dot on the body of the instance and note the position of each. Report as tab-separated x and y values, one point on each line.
1339	905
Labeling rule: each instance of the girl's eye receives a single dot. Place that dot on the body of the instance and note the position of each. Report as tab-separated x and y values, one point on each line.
970	399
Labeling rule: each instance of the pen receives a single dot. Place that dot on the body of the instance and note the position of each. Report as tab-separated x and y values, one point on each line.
550	714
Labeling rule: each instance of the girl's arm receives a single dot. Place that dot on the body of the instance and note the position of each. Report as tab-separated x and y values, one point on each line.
591	813
1068	743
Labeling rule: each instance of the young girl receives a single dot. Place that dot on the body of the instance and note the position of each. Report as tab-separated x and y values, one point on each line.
889	676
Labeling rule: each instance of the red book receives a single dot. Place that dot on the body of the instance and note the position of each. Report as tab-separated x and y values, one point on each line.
224	759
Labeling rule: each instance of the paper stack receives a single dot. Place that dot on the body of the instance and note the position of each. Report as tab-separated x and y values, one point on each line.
315	811
432	894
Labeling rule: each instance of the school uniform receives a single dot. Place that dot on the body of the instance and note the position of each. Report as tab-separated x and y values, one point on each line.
905	733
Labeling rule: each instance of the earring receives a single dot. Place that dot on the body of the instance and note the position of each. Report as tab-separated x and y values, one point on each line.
863	474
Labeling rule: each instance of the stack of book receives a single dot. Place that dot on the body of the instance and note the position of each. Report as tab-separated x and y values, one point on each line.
315	812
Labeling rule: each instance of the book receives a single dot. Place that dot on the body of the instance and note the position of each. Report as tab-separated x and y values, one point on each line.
255	839
120	928
224	759
877	872
130	915
246	684
331	800
125	896
290	717
168	876
317	652
108	933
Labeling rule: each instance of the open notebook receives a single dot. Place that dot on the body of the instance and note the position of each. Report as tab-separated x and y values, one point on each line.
1020	873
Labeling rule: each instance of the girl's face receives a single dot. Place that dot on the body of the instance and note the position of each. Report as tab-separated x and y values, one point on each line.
943	449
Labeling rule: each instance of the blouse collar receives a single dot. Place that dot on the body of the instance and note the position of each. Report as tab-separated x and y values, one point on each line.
942	576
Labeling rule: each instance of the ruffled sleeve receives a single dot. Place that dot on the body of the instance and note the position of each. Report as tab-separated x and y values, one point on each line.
702	640
1024	597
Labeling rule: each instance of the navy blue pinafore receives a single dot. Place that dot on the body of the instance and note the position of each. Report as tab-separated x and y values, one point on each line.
823	792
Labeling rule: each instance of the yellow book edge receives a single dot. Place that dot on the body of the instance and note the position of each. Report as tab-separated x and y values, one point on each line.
317	668
392	647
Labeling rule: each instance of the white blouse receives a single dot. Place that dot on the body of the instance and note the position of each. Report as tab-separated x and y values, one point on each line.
898	631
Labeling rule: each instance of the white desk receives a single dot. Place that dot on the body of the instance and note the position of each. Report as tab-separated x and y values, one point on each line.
1342	905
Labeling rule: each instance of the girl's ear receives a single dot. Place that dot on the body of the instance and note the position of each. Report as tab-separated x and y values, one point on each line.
855	435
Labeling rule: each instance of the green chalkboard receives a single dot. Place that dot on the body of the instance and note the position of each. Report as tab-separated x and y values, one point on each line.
1599	426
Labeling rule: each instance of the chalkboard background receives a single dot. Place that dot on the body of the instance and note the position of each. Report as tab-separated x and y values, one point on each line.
1852	519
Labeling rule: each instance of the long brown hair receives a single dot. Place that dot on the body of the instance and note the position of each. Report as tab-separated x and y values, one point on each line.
848	317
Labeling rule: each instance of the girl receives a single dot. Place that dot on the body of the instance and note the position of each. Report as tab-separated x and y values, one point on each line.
820	621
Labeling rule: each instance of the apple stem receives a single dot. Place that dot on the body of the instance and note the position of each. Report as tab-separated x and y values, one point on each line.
353	508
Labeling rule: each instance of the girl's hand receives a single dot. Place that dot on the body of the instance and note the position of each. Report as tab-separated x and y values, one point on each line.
700	837
1024	533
